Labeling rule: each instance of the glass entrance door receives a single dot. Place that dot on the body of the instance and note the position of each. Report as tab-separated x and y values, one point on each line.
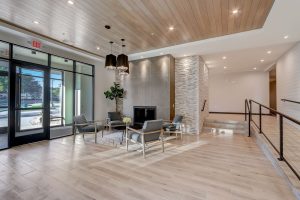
31	103
4	104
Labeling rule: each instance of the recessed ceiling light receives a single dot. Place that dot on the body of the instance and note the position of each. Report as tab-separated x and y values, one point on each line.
224	57
98	48
225	67
286	37
184	55
70	2
269	52
36	22
262	60
171	28
235	11
254	68
162	53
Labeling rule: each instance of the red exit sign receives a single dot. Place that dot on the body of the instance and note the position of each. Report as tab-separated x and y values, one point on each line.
36	44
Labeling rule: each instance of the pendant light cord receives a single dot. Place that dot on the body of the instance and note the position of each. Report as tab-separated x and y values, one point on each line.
111	43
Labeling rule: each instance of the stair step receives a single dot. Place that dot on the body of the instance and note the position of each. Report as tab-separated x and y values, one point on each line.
225	125
225	121
223	130
222	126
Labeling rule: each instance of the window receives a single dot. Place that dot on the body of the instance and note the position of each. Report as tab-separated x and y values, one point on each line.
56	98
4	50
84	96
30	55
84	68
61	63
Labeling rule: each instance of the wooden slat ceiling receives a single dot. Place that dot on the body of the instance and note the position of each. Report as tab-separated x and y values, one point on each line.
143	23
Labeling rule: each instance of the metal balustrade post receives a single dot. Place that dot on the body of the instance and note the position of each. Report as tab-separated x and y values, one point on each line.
260	119
246	110
250	110
281	138
249	120
249	125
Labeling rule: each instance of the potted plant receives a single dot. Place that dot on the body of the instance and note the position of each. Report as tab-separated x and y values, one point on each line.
115	93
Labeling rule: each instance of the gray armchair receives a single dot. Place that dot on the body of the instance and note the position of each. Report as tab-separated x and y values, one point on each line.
85	127
175	124
114	120
174	127
151	132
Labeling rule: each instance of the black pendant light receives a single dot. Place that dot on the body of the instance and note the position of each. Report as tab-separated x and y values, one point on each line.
110	60
122	60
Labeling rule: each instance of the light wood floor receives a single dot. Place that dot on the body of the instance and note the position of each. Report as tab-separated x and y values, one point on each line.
291	138
209	166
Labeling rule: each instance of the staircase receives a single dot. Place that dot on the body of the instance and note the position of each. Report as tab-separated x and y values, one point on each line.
222	126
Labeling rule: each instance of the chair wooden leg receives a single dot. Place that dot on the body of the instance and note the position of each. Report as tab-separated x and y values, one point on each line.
126	138
143	144
74	137
144	150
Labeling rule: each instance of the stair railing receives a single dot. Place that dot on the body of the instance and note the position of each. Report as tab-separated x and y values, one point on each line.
287	100
280	151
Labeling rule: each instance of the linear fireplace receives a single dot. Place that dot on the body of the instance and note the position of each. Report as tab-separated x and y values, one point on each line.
142	114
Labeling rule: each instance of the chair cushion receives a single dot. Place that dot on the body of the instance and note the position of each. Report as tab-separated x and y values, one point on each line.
152	125
80	119
177	119
148	137
114	116
91	128
117	122
171	127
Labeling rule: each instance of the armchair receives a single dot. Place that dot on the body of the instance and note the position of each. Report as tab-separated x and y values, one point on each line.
114	120
151	132
175	126
85	127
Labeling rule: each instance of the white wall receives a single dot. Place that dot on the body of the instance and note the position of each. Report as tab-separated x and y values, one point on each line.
103	81
228	91
288	82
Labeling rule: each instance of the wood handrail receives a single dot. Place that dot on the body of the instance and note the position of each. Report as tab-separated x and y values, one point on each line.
203	107
284	100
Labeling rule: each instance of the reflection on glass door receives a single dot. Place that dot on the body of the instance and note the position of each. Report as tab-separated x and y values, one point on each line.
3	104
61	103
83	96
56	97
29	101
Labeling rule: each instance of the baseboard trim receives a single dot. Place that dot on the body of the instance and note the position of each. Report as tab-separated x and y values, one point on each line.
237	113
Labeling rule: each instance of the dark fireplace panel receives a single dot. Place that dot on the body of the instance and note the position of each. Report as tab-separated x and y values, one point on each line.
142	114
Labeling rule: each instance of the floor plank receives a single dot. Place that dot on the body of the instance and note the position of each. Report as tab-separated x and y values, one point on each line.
208	167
